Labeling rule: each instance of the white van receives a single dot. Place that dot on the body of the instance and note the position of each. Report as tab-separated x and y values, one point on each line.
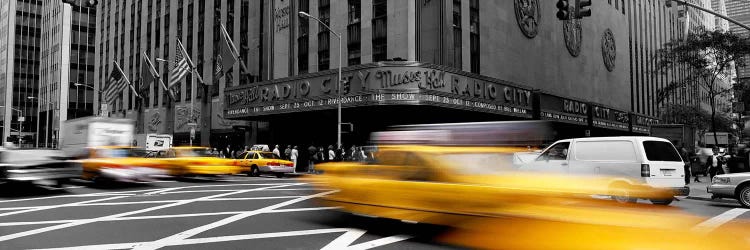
654	160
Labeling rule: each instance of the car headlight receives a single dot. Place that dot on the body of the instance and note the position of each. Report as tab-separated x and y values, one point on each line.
720	180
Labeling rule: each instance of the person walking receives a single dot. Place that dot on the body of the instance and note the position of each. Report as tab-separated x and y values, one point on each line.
293	156
713	164
313	153
277	152
288	152
685	160
331	153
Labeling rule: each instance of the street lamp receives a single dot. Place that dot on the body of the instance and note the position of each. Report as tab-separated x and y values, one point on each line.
303	14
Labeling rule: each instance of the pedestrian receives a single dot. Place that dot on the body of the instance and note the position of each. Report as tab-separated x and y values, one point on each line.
294	155
322	155
277	152
228	152
685	160
288	152
713	164
352	154
331	153
313	153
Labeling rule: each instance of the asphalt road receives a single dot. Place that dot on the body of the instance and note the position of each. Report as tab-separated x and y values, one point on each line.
236	213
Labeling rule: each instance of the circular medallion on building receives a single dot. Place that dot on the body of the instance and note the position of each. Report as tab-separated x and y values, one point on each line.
528	16
573	35
609	50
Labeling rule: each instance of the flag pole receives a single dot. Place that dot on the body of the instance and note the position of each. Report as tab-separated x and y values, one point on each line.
158	76
126	79
235	52
190	61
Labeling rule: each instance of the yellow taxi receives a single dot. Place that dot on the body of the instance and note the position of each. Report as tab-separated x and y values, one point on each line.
193	161
118	163
471	188
256	163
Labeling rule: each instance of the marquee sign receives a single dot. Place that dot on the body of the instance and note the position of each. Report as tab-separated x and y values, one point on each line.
560	109
605	117
419	84
642	123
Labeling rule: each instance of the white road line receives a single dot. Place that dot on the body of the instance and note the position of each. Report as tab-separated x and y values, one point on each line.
211	239
344	241
24	223
192	232
160	201
291	210
715	222
198	191
58	206
162	191
88	221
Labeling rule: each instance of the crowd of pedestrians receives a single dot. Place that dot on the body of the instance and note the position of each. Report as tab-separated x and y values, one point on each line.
310	157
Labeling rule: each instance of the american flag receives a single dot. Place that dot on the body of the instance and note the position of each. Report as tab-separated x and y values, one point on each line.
180	67
117	82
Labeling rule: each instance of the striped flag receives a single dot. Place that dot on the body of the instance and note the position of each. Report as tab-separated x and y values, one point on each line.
180	67
147	73
116	83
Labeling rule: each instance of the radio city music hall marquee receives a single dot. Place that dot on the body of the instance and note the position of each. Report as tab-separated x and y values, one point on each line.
423	84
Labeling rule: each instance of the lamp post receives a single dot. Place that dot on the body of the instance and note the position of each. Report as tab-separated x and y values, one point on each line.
338	85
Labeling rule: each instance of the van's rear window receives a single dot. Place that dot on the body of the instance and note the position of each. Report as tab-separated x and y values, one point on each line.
660	151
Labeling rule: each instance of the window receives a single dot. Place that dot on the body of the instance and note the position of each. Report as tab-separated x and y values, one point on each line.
379	30
605	151
303	39
474	35
660	151
390	158
354	33
557	152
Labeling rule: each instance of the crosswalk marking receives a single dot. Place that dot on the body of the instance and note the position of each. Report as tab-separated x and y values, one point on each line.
715	222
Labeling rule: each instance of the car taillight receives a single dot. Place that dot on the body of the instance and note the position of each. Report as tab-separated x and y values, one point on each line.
289	165
273	164
645	170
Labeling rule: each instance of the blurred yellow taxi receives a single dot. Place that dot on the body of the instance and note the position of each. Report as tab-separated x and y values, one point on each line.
118	163
426	183
257	162
194	161
474	188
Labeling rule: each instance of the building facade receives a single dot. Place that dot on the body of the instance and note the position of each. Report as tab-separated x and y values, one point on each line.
66	89
452	60
20	26
131	28
513	56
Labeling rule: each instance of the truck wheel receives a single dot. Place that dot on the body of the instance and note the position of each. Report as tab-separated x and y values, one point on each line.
662	201
254	171
744	196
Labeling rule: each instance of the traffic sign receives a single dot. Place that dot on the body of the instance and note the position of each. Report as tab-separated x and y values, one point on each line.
21	119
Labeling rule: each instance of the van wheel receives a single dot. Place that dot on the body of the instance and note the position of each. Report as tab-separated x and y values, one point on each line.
254	171
744	196
621	195
662	201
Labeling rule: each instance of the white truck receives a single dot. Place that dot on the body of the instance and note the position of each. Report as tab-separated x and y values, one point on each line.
154	142
78	134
